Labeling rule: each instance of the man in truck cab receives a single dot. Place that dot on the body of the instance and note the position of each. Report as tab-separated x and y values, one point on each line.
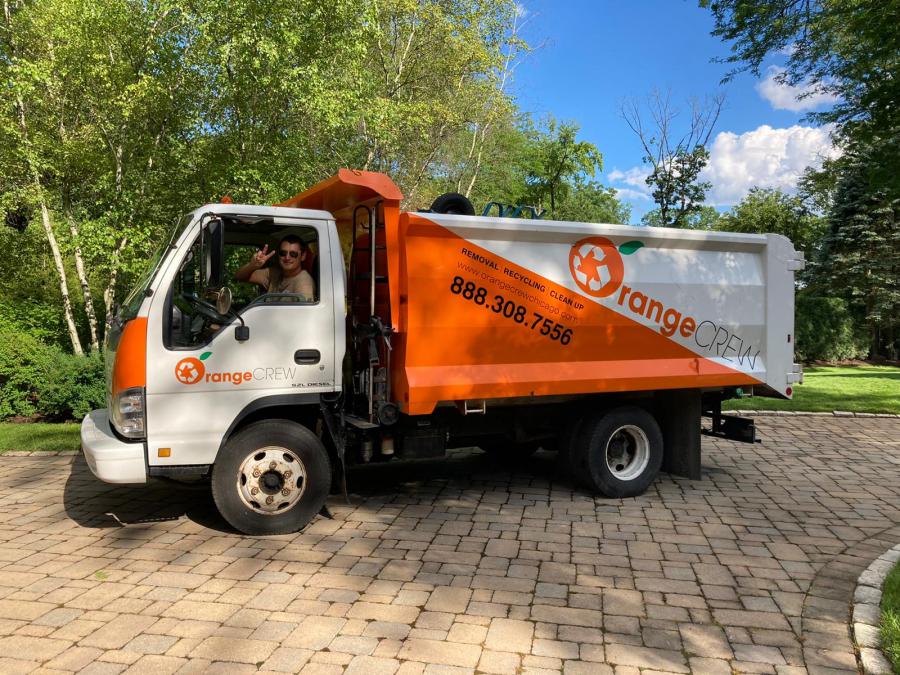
288	276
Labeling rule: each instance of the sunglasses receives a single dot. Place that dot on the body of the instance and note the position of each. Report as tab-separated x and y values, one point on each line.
285	253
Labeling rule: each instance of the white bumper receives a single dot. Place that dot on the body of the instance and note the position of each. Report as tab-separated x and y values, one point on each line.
111	459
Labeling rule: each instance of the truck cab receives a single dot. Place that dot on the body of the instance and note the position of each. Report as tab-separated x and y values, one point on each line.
192	358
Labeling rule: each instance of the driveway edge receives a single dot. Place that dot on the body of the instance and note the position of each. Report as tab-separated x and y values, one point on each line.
867	613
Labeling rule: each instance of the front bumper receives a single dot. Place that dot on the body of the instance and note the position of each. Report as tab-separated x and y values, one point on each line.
111	459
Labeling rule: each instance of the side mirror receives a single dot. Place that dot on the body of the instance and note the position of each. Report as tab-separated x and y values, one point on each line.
213	252
223	301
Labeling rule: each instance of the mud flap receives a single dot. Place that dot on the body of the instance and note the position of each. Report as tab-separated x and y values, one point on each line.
678	414
336	432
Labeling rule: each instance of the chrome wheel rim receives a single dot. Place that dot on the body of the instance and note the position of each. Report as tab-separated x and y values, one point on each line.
271	480
627	452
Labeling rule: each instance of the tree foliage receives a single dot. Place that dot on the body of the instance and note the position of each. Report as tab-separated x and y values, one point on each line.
119	116
768	210
861	252
676	153
851	50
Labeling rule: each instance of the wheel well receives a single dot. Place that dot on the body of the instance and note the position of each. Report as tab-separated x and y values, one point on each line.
307	415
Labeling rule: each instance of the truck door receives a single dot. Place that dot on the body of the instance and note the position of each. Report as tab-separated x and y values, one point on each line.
202	374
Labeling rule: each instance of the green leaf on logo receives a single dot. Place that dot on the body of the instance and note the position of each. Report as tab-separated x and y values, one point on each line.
630	247
205	355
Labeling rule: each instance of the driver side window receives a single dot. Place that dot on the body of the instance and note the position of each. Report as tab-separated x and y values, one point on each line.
187	327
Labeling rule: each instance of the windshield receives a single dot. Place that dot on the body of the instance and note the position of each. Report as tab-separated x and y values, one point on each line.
132	304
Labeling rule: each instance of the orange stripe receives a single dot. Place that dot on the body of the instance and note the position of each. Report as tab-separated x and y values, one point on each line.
130	366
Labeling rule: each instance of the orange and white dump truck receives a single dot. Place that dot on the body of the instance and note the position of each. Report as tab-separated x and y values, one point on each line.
606	343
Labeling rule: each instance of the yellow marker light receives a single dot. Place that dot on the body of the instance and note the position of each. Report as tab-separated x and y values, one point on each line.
164	452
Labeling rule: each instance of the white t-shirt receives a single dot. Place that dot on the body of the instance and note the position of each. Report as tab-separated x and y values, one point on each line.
301	284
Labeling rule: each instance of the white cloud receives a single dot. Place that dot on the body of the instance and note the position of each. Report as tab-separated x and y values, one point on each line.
764	157
636	176
784	96
636	179
628	193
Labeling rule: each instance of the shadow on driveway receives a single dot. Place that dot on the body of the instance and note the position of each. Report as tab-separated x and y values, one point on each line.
92	503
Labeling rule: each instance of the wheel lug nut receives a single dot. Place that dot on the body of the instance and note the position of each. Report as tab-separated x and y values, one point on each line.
272	465
254	491
256	473
285	492
287	474
269	500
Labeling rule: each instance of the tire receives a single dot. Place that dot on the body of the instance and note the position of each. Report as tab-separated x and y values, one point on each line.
453	202
259	458
619	453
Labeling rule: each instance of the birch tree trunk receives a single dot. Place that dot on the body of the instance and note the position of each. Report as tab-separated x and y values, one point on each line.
60	270
85	288
45	212
109	293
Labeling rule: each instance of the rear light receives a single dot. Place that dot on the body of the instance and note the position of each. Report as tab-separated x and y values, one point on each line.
128	412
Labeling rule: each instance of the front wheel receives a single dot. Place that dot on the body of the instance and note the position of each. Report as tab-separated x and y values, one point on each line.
619	453
271	478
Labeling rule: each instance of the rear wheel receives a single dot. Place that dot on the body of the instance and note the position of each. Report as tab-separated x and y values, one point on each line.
619	453
271	478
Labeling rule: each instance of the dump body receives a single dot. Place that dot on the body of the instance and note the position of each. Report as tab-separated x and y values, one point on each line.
499	308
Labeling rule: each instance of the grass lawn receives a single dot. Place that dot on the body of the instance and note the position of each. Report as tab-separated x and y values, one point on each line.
873	389
890	618
39	436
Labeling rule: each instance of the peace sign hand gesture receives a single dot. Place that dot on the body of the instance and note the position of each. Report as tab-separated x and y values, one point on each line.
260	258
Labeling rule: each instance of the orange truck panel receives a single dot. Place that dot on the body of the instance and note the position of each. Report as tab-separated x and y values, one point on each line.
456	348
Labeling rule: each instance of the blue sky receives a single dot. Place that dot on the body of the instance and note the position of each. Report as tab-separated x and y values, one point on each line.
593	54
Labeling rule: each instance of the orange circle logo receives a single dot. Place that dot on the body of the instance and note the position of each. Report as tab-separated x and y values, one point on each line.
596	266
189	370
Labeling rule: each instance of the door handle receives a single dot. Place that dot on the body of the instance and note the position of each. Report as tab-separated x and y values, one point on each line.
307	357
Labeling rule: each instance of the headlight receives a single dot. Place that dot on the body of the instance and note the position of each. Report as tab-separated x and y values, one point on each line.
128	412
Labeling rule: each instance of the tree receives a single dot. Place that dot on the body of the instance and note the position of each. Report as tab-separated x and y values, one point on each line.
848	49
591	202
433	70
861	251
558	160
769	210
702	218
30	155
676	158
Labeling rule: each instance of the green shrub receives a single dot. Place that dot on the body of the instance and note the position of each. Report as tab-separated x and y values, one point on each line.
38	319
26	364
41	379
826	330
75	386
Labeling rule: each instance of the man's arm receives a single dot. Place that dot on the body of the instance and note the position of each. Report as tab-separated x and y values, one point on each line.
253	271
307	286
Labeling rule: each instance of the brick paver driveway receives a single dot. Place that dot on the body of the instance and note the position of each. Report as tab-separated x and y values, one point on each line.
461	566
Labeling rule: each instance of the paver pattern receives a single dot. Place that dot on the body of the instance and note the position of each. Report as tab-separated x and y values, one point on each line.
461	566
